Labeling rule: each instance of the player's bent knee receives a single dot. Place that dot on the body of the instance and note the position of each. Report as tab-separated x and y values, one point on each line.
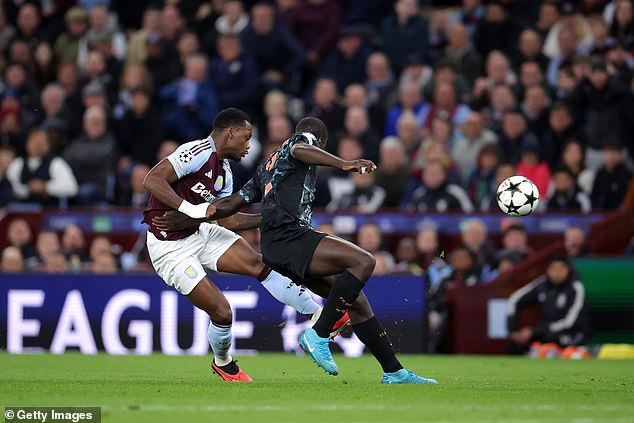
366	266
221	315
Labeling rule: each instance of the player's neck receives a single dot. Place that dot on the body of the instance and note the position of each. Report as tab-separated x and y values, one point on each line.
220	144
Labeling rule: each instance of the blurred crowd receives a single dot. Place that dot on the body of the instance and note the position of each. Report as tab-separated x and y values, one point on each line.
448	97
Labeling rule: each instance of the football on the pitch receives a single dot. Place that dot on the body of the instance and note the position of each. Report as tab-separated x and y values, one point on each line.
517	196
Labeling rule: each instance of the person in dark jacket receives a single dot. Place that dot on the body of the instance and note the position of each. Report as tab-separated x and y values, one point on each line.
346	65
567	196
278	54
561	299
598	101
140	131
437	194
404	34
234	74
316	25
612	179
561	128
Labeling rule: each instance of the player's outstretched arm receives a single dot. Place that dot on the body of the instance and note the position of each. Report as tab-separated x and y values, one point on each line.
158	181
241	222
311	154
226	206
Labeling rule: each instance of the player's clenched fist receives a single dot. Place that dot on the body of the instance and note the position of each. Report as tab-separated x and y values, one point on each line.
361	166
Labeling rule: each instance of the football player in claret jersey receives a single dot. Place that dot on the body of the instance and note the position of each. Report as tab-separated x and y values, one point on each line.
188	180
330	266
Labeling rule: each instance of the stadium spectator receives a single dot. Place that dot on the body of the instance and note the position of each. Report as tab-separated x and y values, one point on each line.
462	54
357	125
104	264
346	64
515	137
407	257
12	260
316	24
325	106
561	300
427	245
393	171
186	45
472	137
575	242
54	110
278	54
570	18
410	99
572	157
535	169
437	194
502	100
159	61
612	179
474	236
404	33
20	235
598	98
140	131
561	128
55	263
535	107
514	244
566	194
234	74
409	134
365	197
380	87
530	49
28	28
6	191
370	238
92	157
135	195
444	102
44	64
133	76
74	247
136	52
47	243
22	90
440	21
278	130
101	27
384	263
190	102
67	44
481	183
622	28
495	31
41	176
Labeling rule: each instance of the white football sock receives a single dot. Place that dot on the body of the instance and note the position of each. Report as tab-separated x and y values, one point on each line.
220	340
285	291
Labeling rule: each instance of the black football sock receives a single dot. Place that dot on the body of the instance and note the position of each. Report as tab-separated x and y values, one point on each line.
342	294
375	338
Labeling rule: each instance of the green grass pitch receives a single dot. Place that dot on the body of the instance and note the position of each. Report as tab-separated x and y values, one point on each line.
292	389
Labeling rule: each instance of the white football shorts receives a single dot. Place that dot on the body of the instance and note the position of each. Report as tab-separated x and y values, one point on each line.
181	263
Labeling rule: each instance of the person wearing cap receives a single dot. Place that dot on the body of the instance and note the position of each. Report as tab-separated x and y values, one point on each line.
67	43
560	298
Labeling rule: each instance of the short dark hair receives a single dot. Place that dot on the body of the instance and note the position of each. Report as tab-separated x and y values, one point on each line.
230	117
515	227
314	126
561	257
612	142
564	169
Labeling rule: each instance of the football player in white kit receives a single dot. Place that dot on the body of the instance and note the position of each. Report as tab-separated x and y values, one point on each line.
187	181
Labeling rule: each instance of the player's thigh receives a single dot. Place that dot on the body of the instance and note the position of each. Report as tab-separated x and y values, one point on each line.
333	255
241	259
176	262
207	297
216	242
